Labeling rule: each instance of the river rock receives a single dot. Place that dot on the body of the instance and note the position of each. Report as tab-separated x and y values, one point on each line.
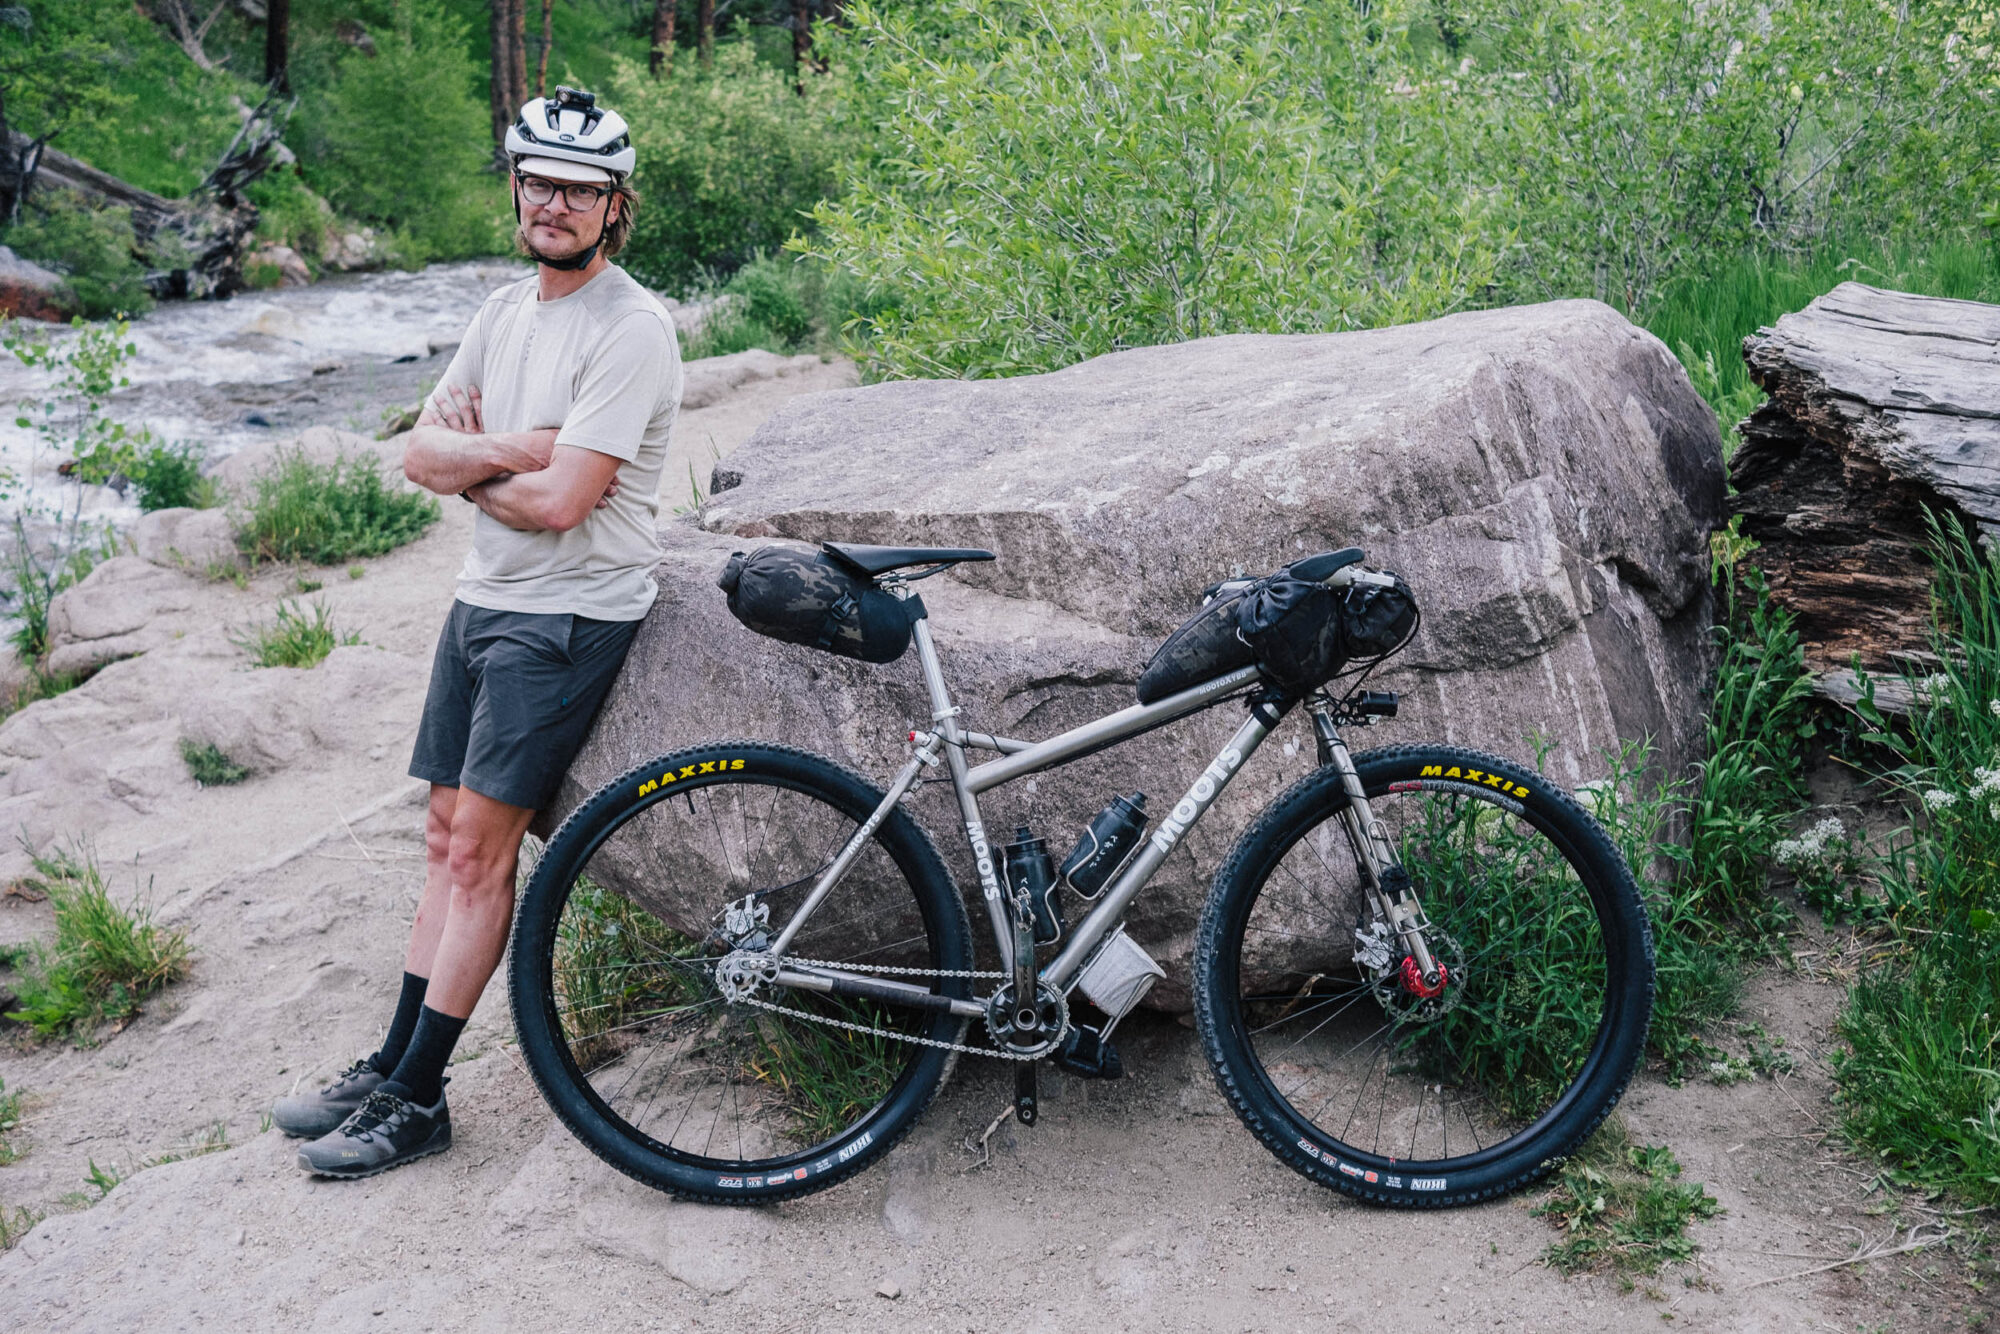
1544	476
31	291
184	538
126	605
318	444
289	264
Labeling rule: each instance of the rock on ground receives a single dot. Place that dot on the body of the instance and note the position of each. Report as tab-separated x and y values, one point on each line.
1544	476
189	539
122	608
29	291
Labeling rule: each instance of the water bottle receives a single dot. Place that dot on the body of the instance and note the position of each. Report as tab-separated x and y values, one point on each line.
1105	845
1031	871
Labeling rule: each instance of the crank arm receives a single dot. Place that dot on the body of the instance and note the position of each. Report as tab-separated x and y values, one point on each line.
878	989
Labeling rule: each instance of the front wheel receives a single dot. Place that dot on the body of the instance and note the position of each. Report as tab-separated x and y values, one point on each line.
698	1079
1327	1048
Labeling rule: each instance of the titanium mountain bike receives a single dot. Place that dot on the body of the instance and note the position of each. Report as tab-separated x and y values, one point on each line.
1422	976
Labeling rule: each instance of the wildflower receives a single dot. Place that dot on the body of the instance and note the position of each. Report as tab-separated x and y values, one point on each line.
1994	706
1937	799
1986	784
1932	689
1810	846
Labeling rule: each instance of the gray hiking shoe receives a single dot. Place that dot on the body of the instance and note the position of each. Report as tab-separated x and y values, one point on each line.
386	1132
310	1115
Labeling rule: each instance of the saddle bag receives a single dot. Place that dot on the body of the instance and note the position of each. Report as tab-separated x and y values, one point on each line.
804	597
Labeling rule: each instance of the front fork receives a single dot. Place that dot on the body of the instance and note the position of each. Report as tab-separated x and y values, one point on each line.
1388	884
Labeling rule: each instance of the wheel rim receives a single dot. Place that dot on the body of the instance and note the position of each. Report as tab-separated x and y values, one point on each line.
670	1065
1451	1085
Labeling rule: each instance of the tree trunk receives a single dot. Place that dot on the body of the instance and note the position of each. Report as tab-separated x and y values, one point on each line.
548	36
802	41
510	66
1883	407
704	31
664	13
277	44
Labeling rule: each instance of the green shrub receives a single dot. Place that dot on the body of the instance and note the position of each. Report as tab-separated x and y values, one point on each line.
782	304
1920	1082
169	476
1078	176
332	512
208	766
105	958
1752	777
93	248
429	189
731	159
295	639
289	213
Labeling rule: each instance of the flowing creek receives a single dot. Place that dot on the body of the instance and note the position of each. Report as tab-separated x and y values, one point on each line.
261	366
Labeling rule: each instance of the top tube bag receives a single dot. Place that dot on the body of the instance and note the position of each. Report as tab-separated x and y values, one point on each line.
804	597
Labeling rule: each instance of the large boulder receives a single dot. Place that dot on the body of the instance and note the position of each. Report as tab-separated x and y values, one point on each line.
1544	476
124	607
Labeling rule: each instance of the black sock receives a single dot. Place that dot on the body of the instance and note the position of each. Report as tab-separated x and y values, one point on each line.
404	1024
421	1070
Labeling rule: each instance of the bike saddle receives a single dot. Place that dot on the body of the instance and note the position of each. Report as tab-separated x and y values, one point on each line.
872	561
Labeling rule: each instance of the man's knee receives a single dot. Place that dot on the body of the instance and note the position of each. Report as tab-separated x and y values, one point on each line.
479	862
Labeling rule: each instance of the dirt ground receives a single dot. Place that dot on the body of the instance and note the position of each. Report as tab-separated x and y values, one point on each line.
1140	1204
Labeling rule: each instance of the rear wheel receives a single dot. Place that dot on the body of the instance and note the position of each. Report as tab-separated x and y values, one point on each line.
717	1091
1331	1055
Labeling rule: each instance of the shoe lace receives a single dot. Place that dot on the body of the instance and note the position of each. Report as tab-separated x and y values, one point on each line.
361	1067
378	1111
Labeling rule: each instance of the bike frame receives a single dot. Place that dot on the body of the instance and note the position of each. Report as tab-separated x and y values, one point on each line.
1375	853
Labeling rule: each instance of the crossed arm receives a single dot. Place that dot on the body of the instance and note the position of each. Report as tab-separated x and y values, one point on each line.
521	478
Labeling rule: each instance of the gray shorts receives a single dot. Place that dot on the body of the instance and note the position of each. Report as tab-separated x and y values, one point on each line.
512	696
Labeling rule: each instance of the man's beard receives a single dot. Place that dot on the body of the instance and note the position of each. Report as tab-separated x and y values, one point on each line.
575	259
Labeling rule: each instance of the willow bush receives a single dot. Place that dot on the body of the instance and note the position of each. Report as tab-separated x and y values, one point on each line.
1061	178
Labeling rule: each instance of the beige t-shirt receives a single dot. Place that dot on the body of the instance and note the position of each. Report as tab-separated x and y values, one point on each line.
603	365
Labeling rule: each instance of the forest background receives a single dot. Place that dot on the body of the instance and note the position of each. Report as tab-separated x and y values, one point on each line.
996	187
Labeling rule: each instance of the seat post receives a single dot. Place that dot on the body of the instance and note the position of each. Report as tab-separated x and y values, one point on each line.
944	716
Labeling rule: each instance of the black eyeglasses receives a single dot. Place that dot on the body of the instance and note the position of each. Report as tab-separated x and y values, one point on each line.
580	198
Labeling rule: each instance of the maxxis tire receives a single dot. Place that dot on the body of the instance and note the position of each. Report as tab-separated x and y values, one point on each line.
1295	1140
532	991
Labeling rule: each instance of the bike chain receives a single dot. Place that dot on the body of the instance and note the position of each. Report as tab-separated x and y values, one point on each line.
889	1033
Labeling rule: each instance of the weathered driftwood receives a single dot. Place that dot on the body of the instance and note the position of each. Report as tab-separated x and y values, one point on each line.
1882	405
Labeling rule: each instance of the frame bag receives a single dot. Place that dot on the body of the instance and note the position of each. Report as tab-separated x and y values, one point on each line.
804	597
1204	647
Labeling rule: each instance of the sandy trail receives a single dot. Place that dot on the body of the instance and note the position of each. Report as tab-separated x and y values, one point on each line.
1140	1204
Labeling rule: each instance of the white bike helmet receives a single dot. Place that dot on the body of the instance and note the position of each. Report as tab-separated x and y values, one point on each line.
570	129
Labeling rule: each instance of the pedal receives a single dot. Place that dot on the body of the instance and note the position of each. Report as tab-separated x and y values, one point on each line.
1024	1092
1088	1056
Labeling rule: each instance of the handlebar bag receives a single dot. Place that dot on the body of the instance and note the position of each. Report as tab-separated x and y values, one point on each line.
1302	633
803	597
1204	647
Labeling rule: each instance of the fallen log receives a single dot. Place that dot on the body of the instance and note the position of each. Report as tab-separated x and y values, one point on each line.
194	247
1882	406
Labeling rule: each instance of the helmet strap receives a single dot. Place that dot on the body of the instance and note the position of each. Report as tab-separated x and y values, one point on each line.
580	260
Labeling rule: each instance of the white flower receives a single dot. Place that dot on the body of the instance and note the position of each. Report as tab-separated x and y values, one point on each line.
1932	689
1938	799
1810	846
1986	783
1994	706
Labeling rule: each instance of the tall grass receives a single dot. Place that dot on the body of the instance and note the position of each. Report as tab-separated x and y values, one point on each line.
1704	317
104	961
293	639
326	513
1920	1081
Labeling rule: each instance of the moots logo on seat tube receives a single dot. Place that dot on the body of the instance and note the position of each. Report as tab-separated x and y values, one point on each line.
982	857
1189	808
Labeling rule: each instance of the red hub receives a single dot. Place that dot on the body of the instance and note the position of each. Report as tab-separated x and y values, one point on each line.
1413	979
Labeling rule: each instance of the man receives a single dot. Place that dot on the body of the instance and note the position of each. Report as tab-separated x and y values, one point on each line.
553	420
